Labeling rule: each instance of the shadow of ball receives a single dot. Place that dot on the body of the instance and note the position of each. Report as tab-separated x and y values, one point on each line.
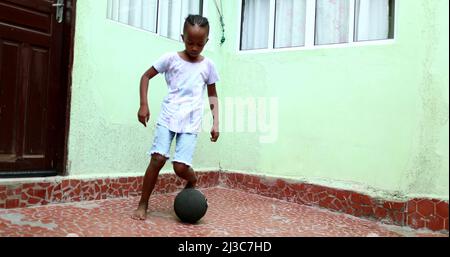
190	205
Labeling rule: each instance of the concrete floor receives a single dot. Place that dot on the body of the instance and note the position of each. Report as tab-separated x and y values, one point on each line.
231	213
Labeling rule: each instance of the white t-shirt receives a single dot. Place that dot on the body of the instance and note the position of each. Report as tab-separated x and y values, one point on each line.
182	109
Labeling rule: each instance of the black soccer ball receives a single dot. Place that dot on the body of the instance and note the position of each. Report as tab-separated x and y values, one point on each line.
190	205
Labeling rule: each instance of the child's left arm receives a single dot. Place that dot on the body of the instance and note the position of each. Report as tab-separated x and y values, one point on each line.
214	106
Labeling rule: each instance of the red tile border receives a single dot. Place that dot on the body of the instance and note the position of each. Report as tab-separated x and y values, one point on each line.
73	190
428	213
415	213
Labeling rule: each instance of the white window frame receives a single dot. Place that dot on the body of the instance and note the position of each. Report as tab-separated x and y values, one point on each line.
204	12
310	31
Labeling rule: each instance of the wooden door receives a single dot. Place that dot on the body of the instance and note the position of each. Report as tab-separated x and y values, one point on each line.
33	90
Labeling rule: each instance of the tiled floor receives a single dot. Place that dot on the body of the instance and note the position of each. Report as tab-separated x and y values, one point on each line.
230	213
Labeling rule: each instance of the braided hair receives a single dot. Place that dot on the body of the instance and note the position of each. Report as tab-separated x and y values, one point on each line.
198	20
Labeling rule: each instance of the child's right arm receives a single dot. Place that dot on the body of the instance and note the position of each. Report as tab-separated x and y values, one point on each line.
144	112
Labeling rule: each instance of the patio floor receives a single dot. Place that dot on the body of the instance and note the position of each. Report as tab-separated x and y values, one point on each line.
231	213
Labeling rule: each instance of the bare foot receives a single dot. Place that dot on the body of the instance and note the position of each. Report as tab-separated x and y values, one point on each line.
140	213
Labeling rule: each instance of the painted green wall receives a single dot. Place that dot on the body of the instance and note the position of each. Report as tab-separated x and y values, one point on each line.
368	118
105	138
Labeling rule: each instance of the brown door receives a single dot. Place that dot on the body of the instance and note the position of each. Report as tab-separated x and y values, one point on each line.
32	91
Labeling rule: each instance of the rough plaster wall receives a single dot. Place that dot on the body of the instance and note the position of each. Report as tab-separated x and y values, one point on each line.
105	136
370	118
429	171
406	154
96	145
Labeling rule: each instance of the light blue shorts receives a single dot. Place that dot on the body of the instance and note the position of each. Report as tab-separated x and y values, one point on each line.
184	147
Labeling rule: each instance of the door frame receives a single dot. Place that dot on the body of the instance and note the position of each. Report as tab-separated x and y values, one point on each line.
67	62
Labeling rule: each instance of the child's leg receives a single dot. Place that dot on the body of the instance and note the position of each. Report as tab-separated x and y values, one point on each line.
150	178
182	161
185	172
159	154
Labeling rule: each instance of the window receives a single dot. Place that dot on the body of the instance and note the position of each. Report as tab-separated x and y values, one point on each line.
374	20
290	20
255	25
271	24
173	13
164	17
332	19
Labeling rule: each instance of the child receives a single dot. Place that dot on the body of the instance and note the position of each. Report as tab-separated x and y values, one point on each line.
188	74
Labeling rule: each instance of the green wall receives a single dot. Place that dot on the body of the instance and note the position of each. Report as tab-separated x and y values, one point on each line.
369	118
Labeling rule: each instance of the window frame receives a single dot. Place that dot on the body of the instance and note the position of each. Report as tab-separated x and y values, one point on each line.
310	28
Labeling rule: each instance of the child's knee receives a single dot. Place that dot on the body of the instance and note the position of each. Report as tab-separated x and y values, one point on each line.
158	159
180	168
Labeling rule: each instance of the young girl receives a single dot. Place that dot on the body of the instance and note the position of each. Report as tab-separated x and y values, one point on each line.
188	74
